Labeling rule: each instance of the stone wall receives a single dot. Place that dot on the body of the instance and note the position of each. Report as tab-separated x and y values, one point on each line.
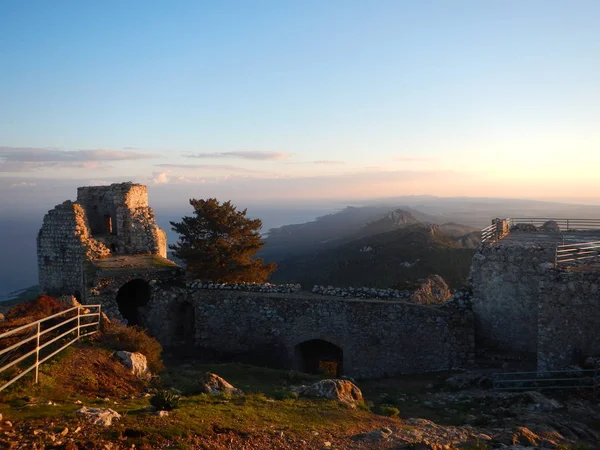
103	290
569	315
378	338
505	282
119	215
64	243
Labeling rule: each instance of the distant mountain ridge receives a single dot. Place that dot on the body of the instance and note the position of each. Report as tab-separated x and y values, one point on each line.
395	259
349	224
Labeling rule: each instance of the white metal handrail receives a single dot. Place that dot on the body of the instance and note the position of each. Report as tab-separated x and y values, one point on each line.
76	328
577	252
563	223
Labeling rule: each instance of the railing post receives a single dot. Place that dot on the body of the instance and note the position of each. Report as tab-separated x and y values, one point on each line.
78	322
37	354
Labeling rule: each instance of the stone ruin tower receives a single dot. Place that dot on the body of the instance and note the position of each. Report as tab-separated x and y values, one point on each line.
104	222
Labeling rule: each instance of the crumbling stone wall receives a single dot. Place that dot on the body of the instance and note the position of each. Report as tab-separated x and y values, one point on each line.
64	242
105	220
505	282
569	315
378	338
132	228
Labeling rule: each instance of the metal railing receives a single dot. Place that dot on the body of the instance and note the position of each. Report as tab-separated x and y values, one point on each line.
41	334
489	234
563	224
568	253
556	379
565	252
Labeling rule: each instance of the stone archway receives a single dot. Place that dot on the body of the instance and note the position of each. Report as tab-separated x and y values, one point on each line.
319	356
132	298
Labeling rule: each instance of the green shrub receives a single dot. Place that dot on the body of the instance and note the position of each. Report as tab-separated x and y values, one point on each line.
134	339
283	394
364	406
388	410
164	400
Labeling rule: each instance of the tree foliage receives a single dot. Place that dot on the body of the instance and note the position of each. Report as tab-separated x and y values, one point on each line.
219	243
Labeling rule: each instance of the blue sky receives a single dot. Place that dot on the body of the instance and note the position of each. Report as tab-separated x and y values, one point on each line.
301	99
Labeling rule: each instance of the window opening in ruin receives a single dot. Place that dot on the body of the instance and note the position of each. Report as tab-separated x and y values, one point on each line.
113	248
132	299
185	323
108	228
320	357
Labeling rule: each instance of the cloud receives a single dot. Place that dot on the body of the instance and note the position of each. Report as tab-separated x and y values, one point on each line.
227	167
249	154
161	177
22	184
19	159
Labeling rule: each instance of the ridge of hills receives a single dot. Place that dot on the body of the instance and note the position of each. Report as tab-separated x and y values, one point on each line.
394	259
346	225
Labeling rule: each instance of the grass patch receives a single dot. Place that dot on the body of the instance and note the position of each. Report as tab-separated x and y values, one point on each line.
250	379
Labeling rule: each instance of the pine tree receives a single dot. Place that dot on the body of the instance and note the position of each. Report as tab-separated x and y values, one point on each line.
219	243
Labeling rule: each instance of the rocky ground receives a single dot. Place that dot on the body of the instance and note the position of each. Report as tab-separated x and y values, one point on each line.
436	411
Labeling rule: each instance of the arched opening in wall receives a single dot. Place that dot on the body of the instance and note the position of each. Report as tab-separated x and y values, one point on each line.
319	356
132	299
185	324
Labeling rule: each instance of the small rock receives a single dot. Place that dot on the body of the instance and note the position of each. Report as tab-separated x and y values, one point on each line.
99	416
136	362
211	383
64	432
326	444
8	423
161	413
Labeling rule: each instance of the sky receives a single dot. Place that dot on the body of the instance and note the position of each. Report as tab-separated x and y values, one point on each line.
300	100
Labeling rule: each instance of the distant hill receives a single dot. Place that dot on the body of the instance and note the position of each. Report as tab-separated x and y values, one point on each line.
334	229
391	259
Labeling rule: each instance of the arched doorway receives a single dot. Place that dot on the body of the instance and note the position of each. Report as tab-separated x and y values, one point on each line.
319	356
131	300
185	324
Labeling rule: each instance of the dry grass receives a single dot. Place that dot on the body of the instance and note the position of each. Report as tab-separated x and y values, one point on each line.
133	339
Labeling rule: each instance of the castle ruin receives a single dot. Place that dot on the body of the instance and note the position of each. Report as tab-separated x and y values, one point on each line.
105	248
107	226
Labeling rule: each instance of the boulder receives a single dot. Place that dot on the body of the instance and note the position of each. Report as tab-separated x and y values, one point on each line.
211	383
550	225
591	362
433	291
342	391
136	362
524	227
99	416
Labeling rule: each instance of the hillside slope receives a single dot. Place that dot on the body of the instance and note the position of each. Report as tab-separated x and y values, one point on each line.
334	229
391	259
